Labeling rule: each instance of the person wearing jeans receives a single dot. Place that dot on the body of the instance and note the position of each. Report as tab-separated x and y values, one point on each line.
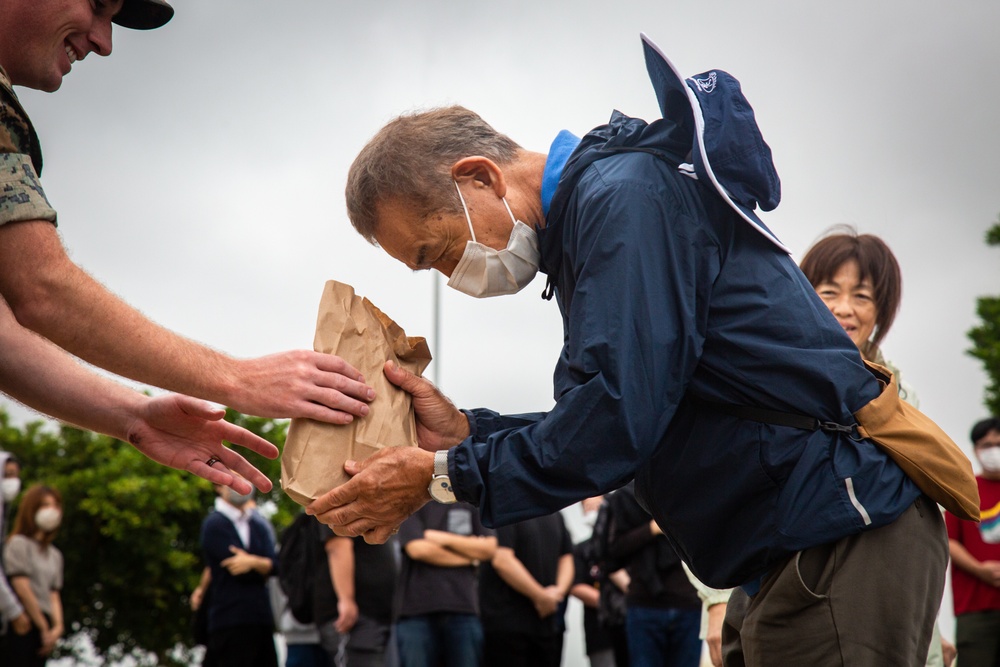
663	611
439	612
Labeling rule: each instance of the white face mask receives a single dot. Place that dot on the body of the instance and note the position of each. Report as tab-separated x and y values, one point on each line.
989	458
237	499
48	519
9	488
484	271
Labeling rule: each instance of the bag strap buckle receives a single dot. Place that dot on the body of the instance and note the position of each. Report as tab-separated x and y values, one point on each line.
833	427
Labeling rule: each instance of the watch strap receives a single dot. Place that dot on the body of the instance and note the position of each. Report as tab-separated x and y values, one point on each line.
441	462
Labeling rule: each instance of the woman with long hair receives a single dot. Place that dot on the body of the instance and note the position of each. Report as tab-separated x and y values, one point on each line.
35	570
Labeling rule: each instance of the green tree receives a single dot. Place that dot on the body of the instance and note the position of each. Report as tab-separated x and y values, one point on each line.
130	531
986	336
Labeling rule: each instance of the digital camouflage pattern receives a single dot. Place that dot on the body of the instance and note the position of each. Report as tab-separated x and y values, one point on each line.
21	194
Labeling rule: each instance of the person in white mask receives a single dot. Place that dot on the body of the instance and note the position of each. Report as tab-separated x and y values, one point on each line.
12	615
239	551
35	570
975	558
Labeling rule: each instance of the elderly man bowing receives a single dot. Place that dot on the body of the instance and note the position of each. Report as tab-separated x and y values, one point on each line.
697	360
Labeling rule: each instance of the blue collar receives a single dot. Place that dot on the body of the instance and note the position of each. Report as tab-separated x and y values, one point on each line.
562	147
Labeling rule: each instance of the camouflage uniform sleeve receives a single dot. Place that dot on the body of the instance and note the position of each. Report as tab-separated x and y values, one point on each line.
21	194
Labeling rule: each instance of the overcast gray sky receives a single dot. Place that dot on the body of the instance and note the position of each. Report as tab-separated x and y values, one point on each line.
199	170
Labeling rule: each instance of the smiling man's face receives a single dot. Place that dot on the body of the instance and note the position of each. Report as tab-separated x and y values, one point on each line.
42	39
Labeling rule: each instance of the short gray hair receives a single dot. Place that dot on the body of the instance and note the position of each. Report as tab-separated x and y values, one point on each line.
411	159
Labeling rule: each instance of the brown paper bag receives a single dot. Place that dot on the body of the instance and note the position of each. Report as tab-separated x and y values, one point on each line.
312	460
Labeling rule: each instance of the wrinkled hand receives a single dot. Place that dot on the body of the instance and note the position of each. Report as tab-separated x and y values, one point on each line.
239	563
184	433
548	603
713	637
301	383
384	490
347	616
21	624
440	424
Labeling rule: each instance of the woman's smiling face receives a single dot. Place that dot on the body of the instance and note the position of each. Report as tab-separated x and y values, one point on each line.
852	301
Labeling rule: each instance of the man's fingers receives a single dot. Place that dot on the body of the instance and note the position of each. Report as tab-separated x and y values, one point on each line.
342	377
331	363
347	389
323	507
216	475
403	378
242	467
196	407
379	535
244	438
353	528
219	472
321	411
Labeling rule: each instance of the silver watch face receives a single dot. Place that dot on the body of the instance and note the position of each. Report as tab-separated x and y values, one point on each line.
441	491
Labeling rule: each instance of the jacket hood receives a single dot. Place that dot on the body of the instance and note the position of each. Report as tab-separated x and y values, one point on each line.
708	131
665	138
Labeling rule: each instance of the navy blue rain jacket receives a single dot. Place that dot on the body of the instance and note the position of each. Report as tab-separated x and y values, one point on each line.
666	294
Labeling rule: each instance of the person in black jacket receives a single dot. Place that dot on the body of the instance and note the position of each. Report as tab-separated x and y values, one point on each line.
239	552
663	610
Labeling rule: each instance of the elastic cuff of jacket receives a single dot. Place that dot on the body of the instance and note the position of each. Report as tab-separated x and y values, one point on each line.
482	422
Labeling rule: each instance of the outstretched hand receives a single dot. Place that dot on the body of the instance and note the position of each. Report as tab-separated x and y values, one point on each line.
301	383
440	424
384	490
185	433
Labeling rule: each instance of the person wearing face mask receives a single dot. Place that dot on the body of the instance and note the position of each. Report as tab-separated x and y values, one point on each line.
35	570
697	361
975	558
13	618
240	554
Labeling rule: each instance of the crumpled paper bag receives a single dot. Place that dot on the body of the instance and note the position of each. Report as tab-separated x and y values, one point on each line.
312	460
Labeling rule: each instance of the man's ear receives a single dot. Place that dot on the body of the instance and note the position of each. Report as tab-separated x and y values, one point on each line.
481	172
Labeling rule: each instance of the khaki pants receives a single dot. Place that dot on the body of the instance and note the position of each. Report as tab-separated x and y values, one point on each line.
869	600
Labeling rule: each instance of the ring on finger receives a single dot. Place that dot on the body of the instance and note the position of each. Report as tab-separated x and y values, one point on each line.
212	461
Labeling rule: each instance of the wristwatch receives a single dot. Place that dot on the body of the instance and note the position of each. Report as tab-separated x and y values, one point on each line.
440	486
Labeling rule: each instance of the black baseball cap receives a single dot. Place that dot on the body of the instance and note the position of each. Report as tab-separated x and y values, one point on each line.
143	14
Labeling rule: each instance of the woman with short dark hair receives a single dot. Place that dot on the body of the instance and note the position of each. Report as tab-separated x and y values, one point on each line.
859	280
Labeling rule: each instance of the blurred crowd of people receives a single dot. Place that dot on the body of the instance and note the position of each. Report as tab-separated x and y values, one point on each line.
448	592
31	570
444	592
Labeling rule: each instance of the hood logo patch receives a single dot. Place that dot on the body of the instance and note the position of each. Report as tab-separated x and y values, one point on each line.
707	85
